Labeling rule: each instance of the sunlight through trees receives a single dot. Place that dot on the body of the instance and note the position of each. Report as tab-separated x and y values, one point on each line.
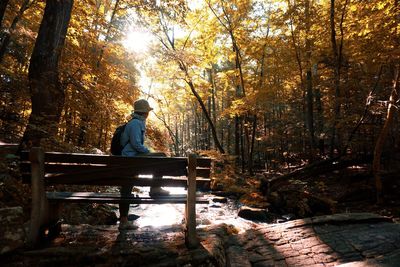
265	81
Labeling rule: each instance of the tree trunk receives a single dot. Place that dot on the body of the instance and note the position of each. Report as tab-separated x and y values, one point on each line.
177	152
222	125
3	7
310	113
6	36
196	128
319	121
309	87
68	126
238	62
240	86
314	169
240	92
213	111
242	154
337	56
237	136
183	67
363	117
253	137
174	138
204	109
47	94
107	37
304	85
376	164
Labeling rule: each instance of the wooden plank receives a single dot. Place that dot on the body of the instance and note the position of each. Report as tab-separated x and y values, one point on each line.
62	197
129	166
25	167
88	169
191	237
39	211
150	167
203	172
105	159
110	173
162	168
65	194
115	181
84	169
119	181
203	184
6	149
203	162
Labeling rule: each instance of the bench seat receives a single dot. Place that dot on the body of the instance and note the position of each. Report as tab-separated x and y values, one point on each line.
115	198
46	170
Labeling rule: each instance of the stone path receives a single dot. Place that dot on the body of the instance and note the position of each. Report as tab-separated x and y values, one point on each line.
358	239
343	239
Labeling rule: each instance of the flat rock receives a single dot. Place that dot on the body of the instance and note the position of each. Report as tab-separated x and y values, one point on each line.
359	239
254	214
352	239
89	245
220	199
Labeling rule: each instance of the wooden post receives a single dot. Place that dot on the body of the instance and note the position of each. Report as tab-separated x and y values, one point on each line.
380	142
191	237
39	210
53	219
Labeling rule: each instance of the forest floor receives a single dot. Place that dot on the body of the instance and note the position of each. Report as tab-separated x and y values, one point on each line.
347	190
353	190
226	237
350	239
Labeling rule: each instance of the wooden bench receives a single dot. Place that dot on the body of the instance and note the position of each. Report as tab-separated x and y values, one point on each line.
53	168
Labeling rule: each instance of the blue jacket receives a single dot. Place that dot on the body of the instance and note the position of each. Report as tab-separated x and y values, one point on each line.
133	137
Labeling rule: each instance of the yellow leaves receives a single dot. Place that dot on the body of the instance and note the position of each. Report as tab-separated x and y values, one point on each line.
353	8
364	32
122	105
229	73
238	104
381	5
74	41
87	78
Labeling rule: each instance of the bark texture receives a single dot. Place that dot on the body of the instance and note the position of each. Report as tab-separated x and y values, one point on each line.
47	94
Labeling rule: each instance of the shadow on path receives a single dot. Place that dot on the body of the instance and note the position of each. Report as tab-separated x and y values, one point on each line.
320	241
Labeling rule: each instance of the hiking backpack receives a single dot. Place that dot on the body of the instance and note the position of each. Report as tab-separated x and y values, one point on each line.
116	146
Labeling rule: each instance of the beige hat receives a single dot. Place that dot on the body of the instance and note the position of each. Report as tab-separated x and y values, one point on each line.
141	105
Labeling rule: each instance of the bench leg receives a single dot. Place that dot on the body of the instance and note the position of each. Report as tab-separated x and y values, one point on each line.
54	222
191	236
39	209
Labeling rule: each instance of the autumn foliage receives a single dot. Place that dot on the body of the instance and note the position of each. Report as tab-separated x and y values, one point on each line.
273	83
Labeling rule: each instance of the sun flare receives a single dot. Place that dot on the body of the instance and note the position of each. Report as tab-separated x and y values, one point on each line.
137	41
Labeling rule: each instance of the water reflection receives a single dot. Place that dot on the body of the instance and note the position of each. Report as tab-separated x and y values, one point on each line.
158	215
161	215
166	215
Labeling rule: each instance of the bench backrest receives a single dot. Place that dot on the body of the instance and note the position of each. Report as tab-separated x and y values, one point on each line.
90	169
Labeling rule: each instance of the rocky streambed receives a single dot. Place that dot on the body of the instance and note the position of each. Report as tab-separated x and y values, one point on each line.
351	239
159	241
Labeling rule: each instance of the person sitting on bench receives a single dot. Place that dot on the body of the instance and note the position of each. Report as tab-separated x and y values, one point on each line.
133	137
